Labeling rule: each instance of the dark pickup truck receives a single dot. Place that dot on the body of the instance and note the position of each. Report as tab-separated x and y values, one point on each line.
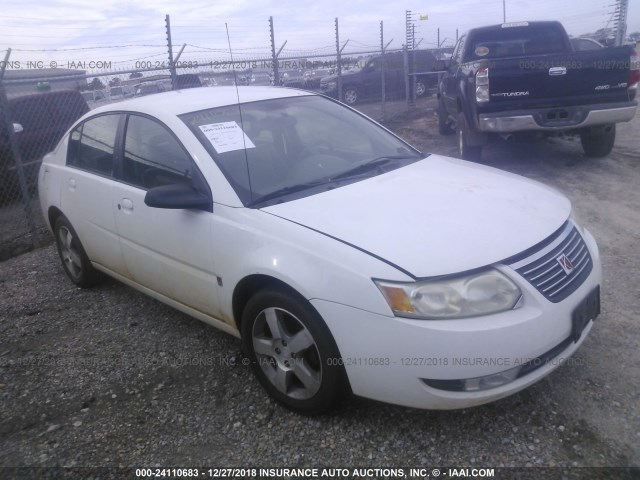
525	81
364	82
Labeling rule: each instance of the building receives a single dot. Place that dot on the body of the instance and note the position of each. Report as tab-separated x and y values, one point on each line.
29	81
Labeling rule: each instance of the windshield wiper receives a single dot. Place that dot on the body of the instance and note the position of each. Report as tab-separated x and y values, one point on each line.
287	190
371	165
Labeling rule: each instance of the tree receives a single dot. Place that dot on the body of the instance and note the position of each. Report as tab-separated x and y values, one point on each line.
96	84
114	82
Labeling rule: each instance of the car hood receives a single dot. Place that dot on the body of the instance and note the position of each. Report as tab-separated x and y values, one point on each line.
435	217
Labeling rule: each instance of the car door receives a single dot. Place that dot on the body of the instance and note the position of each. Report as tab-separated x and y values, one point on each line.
86	191
166	250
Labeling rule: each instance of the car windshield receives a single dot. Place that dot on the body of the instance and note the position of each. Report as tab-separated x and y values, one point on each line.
287	148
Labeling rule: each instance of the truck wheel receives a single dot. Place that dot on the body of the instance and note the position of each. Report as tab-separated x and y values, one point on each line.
444	126
292	352
350	96
598	141
467	152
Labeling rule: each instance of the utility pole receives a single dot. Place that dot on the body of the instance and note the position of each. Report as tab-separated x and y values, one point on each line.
274	57
504	12
338	61
383	49
408	57
172	66
620	16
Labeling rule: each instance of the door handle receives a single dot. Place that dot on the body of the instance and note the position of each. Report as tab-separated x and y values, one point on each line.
126	204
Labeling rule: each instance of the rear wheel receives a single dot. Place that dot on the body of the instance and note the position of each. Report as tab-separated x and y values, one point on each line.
74	259
467	152
444	126
598	141
292	352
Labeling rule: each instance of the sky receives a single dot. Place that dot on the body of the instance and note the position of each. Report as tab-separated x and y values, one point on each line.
118	34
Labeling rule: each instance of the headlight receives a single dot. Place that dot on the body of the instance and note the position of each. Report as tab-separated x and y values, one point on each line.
452	297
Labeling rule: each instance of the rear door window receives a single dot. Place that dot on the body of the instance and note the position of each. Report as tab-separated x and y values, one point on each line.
92	145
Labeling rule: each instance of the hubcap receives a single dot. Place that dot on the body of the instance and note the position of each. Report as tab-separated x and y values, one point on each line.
287	353
69	252
350	96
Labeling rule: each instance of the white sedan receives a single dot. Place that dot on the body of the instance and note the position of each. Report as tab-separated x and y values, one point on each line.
344	259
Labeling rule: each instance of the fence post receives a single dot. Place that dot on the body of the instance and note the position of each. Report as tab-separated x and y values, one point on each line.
6	118
405	57
384	89
274	57
172	67
339	61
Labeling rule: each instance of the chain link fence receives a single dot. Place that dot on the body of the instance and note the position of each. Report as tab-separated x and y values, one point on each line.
41	99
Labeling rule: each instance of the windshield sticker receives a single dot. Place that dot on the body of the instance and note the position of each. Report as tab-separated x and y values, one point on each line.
226	137
482	51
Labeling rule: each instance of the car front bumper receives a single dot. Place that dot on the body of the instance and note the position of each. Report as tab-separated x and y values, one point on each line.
389	358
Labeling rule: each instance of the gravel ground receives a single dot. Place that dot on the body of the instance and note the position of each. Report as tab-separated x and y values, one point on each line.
109	377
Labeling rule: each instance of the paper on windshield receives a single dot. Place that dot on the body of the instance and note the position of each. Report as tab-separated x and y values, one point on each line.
226	136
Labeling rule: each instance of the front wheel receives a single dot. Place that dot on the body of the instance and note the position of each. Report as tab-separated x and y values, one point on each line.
350	96
420	88
292	352
598	141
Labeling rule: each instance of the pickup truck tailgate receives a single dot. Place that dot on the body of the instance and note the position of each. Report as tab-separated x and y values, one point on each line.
575	78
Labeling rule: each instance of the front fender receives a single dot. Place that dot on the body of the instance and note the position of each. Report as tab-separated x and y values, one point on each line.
252	242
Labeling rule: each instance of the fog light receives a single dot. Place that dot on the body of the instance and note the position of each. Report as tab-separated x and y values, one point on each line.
491	381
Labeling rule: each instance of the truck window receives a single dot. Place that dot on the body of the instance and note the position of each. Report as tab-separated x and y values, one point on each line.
516	41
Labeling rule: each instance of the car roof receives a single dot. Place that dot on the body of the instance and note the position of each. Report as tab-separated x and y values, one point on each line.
178	102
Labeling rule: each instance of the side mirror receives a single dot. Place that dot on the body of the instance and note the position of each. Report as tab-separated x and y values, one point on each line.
18	128
441	65
178	196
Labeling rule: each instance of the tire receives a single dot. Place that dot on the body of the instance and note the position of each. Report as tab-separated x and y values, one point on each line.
598	142
350	96
292	352
444	127
74	259
467	152
420	88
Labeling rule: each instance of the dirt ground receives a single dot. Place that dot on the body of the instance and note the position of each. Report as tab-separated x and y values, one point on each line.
109	377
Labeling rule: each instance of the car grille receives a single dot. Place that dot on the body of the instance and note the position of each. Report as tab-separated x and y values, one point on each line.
559	272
